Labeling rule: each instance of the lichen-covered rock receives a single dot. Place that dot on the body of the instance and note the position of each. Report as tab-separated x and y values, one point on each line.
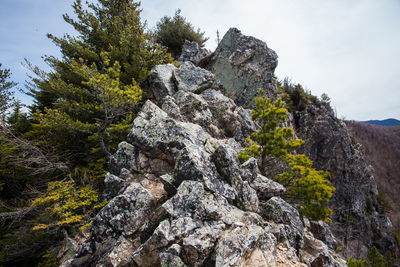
191	51
162	137
123	158
170	260
116	216
267	188
317	253
322	231
243	65
279	211
235	244
178	196
194	79
112	186
161	81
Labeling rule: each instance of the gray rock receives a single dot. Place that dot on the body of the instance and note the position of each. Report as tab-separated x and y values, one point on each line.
240	241
161	81
194	164
190	78
194	108
315	253
248	199
171	108
267	188
226	162
243	65
112	186
123	158
249	170
279	211
149	253
168	182
198	246
233	121
191	51
322	231
117	217
170	260
216	113
161	136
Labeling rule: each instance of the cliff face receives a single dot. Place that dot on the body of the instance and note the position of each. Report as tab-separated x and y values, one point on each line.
179	197
327	142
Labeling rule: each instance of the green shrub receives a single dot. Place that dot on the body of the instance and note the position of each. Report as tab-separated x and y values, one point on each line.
375	258
172	33
355	263
369	207
383	204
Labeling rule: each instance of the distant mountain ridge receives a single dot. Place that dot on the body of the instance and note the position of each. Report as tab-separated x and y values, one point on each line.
387	122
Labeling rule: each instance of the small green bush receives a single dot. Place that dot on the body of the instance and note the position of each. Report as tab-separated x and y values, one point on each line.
375	258
355	263
172	33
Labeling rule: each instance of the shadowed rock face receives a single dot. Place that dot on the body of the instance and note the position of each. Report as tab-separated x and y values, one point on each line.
177	194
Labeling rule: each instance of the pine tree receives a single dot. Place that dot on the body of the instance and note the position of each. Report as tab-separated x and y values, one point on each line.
6	95
172	33
70	114
306	187
272	141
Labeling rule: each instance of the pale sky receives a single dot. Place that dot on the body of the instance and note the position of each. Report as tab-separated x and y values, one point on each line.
349	49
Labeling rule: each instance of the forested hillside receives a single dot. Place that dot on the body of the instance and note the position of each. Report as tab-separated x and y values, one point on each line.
381	146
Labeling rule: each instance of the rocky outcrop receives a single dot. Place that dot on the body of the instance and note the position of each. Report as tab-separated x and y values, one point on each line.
178	196
243	65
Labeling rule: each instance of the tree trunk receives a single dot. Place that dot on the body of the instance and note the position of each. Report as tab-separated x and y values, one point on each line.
101	131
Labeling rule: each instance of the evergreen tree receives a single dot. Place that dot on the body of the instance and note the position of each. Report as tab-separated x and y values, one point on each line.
6	95
272	141
70	115
307	187
172	33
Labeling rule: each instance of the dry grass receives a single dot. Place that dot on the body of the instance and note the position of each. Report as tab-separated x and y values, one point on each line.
381	146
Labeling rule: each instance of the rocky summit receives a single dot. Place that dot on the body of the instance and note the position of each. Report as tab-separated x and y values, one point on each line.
178	196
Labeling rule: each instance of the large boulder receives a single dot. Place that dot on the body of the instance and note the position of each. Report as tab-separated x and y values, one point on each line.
243	65
190	78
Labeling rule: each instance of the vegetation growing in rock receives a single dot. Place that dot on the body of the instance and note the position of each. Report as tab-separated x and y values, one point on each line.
355	263
309	188
64	203
172	33
296	96
376	259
